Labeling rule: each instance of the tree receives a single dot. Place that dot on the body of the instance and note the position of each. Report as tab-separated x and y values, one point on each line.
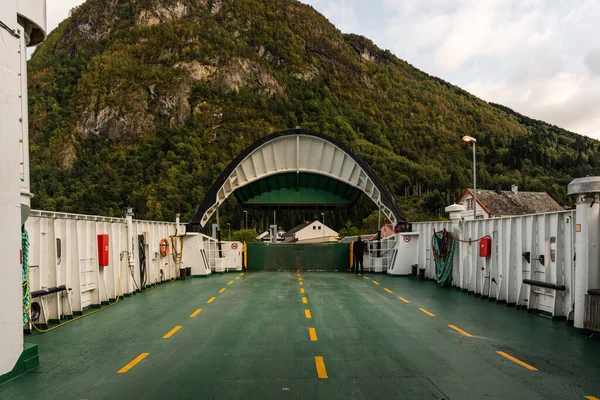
245	235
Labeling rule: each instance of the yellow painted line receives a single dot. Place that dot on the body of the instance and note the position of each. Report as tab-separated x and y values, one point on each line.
375	282
457	329
133	363
313	334
516	360
242	274
172	332
211	300
427	312
299	279
301	283
591	398
230	282
237	278
301	290
198	311
404	300
387	290
222	290
307	314
321	371
304	300
298	274
365	277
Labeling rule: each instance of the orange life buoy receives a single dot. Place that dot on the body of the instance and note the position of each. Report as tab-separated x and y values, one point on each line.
164	247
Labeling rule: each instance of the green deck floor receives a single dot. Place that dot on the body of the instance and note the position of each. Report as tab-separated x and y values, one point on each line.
252	342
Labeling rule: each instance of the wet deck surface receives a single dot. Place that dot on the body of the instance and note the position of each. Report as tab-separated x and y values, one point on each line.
253	341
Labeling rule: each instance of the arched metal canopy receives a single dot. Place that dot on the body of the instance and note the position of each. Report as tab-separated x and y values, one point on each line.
305	153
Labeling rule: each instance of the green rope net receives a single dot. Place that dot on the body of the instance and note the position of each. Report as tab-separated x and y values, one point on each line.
25	276
443	244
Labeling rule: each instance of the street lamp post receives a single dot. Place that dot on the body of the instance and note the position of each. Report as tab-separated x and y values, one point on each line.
323	215
471	139
246	213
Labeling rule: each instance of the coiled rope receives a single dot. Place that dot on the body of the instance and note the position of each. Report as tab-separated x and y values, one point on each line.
25	275
443	244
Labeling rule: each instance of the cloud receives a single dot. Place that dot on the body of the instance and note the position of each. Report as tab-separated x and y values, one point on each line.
340	12
592	61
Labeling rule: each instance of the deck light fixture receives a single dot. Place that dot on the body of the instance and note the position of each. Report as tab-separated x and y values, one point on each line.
470	139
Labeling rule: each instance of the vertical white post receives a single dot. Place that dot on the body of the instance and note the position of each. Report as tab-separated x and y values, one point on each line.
587	220
581	263
11	336
474	182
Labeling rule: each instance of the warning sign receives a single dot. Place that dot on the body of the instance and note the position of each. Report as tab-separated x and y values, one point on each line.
407	239
234	246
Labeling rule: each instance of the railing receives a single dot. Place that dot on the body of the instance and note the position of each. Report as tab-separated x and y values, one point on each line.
380	254
538	248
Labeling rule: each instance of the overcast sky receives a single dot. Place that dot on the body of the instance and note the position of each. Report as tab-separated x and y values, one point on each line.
539	57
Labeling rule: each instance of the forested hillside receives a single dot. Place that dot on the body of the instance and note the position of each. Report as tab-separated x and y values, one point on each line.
143	103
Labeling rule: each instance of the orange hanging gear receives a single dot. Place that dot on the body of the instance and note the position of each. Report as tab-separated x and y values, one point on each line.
164	247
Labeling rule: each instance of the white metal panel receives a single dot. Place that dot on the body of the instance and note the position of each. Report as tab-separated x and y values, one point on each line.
511	237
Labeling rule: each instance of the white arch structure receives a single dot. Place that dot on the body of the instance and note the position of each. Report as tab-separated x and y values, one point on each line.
297	151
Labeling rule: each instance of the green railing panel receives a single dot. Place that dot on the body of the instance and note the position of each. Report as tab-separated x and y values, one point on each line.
293	256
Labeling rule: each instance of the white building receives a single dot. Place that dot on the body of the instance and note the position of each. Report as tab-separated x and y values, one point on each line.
311	232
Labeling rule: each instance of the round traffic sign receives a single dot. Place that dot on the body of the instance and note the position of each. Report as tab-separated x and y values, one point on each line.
407	238
234	246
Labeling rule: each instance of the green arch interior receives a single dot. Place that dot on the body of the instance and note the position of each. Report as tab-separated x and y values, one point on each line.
299	189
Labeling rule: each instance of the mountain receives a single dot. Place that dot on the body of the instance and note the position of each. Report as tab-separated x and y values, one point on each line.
144	102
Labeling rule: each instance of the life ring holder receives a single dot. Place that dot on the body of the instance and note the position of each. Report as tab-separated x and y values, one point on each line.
164	247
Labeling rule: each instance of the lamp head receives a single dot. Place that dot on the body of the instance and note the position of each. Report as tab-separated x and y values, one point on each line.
469	139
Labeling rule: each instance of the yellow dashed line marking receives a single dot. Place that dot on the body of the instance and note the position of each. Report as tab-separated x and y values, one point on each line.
307	314
298	274
591	398
404	300
211	300
222	290
427	312
313	334
242	274
365	277
132	363
300	279
172	332
375	282
230	282
198	311
301	290
237	278
457	329
301	283
516	360
305	300
387	290
321	371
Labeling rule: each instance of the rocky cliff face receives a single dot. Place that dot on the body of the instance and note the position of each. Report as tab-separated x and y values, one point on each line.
134	100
